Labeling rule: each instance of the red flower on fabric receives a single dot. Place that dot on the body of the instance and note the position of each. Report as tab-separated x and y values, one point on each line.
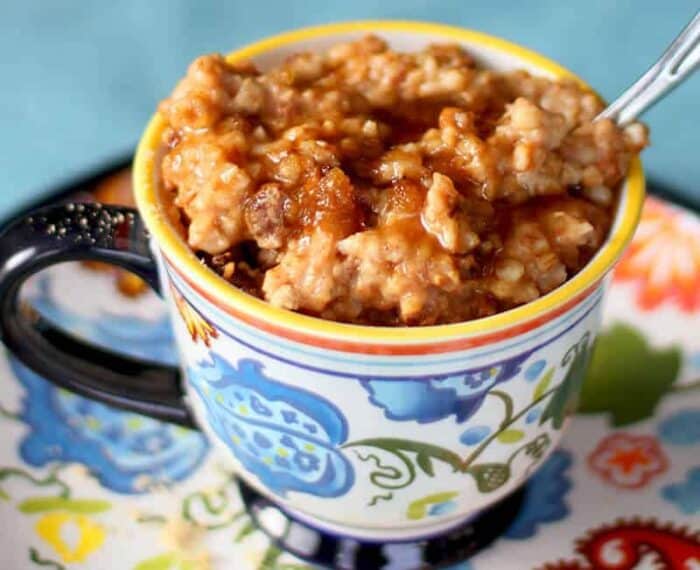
664	258
628	461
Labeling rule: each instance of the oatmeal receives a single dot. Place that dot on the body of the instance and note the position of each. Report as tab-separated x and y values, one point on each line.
371	186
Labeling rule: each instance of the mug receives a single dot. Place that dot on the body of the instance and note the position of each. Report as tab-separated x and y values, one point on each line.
373	432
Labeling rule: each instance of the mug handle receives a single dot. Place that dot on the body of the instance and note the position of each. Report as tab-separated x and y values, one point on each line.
73	232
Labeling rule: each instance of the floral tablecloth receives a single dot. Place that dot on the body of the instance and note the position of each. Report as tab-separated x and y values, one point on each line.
85	486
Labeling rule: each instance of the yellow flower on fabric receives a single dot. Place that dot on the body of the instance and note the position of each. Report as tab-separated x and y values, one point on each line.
73	536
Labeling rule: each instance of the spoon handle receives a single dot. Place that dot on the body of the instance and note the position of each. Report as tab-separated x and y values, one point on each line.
679	60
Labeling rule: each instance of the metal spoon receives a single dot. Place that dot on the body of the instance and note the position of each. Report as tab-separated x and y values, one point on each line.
677	63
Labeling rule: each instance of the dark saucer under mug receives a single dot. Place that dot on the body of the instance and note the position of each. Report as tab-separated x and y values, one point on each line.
330	550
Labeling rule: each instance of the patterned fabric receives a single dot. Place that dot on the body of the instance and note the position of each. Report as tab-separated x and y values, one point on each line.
85	486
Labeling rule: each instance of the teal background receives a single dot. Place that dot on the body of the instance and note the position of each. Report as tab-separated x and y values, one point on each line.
79	78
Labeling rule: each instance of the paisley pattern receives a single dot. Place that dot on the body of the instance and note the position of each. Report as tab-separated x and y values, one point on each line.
286	436
624	544
126	452
432	399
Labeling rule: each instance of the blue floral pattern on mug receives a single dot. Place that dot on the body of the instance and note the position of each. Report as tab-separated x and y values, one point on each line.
126	452
428	400
285	436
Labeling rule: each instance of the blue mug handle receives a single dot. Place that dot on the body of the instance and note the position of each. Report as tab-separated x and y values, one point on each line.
73	232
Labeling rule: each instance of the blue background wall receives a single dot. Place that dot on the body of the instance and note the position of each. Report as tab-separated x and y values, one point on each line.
79	78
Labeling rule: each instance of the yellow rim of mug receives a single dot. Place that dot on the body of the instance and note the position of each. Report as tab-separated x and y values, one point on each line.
176	250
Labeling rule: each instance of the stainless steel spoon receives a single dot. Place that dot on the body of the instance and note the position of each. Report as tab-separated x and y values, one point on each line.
677	63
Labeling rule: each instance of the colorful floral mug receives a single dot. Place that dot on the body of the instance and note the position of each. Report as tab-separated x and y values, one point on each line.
381	433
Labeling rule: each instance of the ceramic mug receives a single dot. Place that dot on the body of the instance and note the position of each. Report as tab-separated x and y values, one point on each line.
375	432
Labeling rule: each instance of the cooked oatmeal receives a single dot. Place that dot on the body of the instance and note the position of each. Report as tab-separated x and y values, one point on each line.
372	186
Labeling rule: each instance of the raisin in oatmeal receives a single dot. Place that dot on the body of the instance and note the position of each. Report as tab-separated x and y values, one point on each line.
371	186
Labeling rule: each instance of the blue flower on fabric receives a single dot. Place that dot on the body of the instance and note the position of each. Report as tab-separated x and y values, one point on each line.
695	360
124	451
685	494
286	436
545	495
681	428
125	334
431	399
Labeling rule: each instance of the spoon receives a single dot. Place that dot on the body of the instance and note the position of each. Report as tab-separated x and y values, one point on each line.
677	63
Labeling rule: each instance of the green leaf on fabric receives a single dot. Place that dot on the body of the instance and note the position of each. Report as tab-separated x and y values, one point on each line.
167	561
270	559
627	377
39	560
81	506
161	562
564	400
247	529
